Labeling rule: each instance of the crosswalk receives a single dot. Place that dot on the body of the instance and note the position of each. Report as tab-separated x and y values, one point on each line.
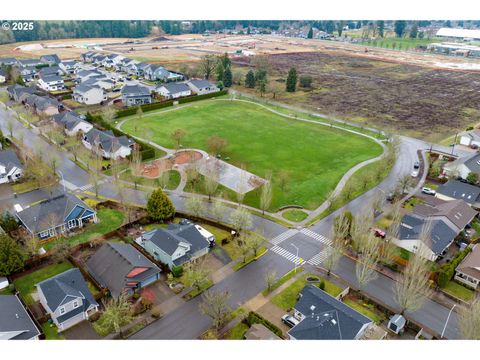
283	236
320	257
316	236
85	187
287	255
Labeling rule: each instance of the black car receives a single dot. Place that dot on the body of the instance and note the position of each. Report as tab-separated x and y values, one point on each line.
416	165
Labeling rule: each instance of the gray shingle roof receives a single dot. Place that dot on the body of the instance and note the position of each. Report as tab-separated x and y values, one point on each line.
15	319
51	78
460	190
174	88
113	262
200	84
457	211
107	140
326	318
68	119
53	58
9	159
66	287
41	102
135	90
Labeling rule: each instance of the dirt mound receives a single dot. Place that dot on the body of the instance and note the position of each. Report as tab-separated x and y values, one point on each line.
185	157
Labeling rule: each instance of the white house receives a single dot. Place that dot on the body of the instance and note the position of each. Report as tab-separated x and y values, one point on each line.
173	90
51	83
104	83
67	67
11	169
89	95
463	166
72	123
3	76
468	271
471	138
201	87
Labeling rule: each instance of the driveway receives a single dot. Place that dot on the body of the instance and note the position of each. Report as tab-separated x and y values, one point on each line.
82	331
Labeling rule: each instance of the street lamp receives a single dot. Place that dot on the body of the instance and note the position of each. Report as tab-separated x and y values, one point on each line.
63	180
296	260
448	318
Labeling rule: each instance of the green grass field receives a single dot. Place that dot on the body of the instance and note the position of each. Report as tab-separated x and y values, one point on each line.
313	157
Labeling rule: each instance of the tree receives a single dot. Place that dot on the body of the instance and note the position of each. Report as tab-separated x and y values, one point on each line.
217	209
136	166
399	27
250	80
291	83
266	194
31	245
12	257
194	205
369	256
414	31
62	248
211	180
215	305
270	279
109	114
72	144
227	77
241	219
472	178
380	28
469	321
10	126
404	183
339	233
216	145
305	81
159	206
255	242
8	222
207	65
196	276
310	33
262	87
219	70
412	290
164	179
177	136
118	312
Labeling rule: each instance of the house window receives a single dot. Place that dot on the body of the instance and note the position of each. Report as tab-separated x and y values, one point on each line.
72	223
62	310
43	234
75	304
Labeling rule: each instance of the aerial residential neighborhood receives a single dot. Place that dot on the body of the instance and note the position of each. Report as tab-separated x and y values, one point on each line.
247	180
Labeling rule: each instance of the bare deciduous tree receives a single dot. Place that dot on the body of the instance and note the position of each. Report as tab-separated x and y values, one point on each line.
195	205
283	178
211	180
469	321
215	305
241	219
118	312
338	234
216	145
196	276
177	136
368	258
266	193
217	209
207	65
270	279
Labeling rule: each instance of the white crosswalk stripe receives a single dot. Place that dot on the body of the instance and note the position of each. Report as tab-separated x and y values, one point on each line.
316	236
86	187
283	236
320	257
287	255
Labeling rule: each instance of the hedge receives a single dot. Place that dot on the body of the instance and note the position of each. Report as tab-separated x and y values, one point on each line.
254	318
177	271
447	271
202	97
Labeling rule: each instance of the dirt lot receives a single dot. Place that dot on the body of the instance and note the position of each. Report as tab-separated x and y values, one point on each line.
415	100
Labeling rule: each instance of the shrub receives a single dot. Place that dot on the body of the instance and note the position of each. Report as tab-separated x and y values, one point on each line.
305	81
322	285
254	318
445	274
156	312
177	271
159	206
201	97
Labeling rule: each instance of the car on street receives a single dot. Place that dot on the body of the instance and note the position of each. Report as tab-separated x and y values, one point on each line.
414	173
428	191
379	233
290	320
390	197
416	165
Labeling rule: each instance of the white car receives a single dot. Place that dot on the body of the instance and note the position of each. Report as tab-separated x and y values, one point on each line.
289	320
414	173
428	191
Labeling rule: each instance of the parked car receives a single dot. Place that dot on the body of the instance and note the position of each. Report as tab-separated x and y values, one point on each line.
390	197
416	165
379	233
428	191
414	173
289	320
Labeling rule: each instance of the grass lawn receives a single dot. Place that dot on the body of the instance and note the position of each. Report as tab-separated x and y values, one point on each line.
410	203
295	215
287	298
250	258
26	284
404	43
367	310
459	291
237	332
263	141
282	280
108	220
51	332
173	179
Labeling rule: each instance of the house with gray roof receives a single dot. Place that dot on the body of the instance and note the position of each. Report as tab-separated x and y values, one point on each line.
87	57
106	144
15	321
41	105
72	123
11	168
28	73
468	271
67	299
134	95
8	61
173	90
58	215
51	83
49	70
201	87
102	82
18	92
89	94
52	59
178	243
3	76
121	268
471	138
156	72
84	75
463	166
322	317
67	67
30	62
459	190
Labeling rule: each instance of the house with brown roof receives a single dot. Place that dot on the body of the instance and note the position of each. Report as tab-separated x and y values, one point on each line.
468	271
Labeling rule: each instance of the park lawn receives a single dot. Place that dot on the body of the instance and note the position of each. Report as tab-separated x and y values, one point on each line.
199	188
288	297
459	291
51	332
404	43
312	157
173	179
295	215
237	332
25	285
364	309
108	220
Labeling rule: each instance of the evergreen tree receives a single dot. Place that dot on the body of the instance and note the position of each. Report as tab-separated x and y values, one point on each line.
226	62
310	33
381	28
291	84
262	87
219	70
414	31
159	206
399	27
227	77
250	79
12	257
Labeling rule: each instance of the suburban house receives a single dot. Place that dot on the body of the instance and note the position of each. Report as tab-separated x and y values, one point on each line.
50	59
471	138
67	299
173	90
8	61
50	70
59	214
201	87
133	95
89	95
3	76
98	59
19	93
468	271
72	123
107	144
15	322
51	83
455	189
11	168
441	220
104	83
322	317
156	72
178	243
87	57
111	60
84	75
30	62
463	166
41	105
67	67
28	73
121	268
